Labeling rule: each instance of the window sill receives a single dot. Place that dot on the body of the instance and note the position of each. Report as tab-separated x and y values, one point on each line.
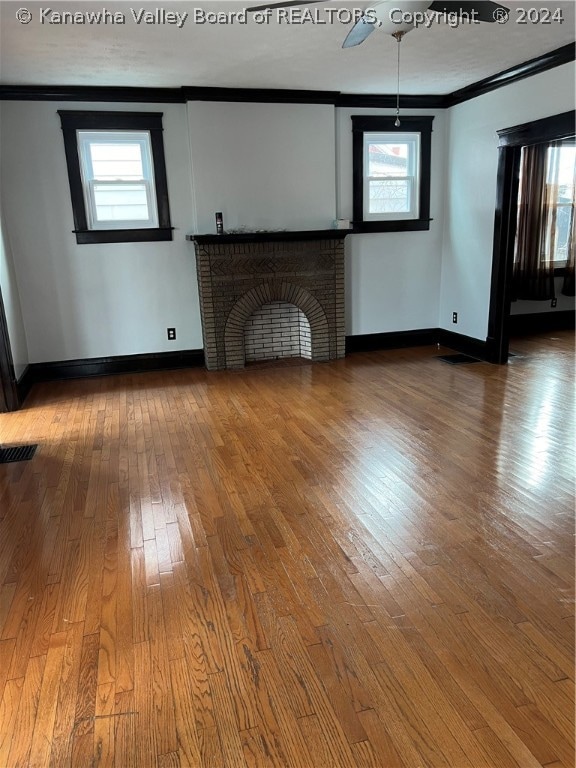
401	225
85	236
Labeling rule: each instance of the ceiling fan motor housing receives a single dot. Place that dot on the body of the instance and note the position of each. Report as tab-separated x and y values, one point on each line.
392	16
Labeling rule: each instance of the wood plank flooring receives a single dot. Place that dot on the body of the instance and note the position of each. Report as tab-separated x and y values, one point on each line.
367	562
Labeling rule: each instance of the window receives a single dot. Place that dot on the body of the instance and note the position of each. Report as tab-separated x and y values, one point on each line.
117	176
391	182
546	198
391	171
118	179
561	181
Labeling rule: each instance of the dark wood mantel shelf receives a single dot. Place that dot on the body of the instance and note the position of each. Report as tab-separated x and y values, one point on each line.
266	237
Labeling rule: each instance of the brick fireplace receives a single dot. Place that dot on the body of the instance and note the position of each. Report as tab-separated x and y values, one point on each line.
256	285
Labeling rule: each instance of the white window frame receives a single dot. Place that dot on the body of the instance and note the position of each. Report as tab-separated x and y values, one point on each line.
412	139
87	137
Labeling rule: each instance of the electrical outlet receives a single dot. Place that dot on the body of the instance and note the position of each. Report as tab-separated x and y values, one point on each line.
454	317
171	334
554	302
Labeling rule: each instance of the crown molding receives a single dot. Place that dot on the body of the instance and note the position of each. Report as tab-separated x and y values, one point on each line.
388	101
91	93
259	95
555	58
201	93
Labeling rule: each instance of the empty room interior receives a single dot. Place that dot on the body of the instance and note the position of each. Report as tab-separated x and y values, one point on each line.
287	384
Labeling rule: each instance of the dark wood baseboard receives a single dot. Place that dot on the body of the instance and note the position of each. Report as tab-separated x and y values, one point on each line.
369	342
464	344
520	325
419	338
163	361
542	322
24	384
108	366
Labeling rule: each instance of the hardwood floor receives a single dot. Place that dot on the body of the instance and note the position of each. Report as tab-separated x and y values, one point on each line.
367	562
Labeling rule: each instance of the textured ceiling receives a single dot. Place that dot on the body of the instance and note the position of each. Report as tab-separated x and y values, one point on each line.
273	54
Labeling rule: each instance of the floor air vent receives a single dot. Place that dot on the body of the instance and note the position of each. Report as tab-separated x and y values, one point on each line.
458	359
17	453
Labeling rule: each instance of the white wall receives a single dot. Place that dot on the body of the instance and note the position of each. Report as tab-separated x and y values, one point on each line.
393	278
12	308
472	160
82	301
264	166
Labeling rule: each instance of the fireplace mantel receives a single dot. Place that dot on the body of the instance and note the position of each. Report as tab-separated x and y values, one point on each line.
268	237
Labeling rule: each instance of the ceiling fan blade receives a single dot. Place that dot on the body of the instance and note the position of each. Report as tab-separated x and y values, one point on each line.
288	4
482	10
359	32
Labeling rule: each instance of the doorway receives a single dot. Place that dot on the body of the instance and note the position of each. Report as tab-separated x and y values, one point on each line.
509	155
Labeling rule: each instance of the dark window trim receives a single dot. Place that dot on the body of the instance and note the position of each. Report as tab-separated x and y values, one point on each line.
362	124
73	121
148	235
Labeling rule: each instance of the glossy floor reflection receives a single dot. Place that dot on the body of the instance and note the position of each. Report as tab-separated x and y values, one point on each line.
367	562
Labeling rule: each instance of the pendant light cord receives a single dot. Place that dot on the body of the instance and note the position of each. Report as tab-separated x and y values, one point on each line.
398	36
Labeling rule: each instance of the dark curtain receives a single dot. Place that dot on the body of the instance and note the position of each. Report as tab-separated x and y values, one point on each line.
533	276
568	284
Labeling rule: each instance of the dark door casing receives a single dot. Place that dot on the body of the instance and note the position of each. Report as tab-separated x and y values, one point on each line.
9	400
511	142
